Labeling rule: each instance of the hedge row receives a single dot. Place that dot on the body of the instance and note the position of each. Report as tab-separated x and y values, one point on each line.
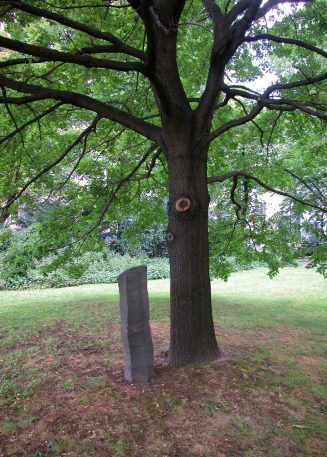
100	269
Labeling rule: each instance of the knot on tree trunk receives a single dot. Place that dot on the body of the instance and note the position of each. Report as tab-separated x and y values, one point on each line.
170	238
183	204
183	207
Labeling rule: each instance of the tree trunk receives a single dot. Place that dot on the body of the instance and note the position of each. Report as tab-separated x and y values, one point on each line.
192	336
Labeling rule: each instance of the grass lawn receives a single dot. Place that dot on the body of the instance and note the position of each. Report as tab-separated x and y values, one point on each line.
62	391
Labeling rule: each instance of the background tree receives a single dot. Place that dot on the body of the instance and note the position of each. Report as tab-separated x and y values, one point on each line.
104	97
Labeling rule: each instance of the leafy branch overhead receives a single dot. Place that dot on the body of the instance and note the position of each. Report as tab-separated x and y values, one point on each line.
140	50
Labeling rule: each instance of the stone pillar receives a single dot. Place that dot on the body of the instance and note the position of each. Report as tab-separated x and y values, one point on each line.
135	327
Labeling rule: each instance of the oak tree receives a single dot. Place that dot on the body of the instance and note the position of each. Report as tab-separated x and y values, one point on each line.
99	97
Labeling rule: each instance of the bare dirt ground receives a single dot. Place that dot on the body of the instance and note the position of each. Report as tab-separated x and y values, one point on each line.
66	396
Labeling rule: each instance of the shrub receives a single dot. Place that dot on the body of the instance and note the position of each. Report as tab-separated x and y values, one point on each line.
18	251
158	268
99	267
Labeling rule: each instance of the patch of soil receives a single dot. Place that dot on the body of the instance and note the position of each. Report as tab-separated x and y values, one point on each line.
83	407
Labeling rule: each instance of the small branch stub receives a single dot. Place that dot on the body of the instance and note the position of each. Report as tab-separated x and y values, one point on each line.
183	204
169	237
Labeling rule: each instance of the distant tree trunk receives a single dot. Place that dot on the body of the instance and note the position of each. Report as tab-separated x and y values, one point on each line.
192	337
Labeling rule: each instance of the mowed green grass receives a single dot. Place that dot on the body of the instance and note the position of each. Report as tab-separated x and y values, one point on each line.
297	296
61	374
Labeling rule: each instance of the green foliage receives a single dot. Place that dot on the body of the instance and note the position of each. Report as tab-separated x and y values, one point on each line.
153	241
91	268
157	267
18	252
319	259
23	264
130	239
252	242
79	188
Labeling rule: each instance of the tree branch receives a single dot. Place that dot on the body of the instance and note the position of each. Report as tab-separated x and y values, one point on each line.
291	85
83	101
241	91
232	197
51	55
277	39
214	11
272	131
270	4
277	104
316	191
60	19
31	121
297	105
238	9
280	104
87	6
225	43
5	11
49	167
236	122
113	195
150	167
233	173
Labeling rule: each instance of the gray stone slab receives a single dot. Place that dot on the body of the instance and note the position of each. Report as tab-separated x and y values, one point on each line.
135	327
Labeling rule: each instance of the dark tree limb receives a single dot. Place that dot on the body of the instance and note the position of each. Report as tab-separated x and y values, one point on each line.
277	103
272	130
13	62
157	20
50	166
229	240
236	122
214	11
51	55
83	101
105	5
239	208
149	168
280	104
67	22
232	197
5	11
257	126
233	173
270	4
76	164
114	193
316	191
245	92
292	85
305	108
3	89
31	121
237	10
278	39
225	43
302	181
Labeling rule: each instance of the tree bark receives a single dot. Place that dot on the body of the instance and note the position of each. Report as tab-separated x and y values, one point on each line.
192	335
